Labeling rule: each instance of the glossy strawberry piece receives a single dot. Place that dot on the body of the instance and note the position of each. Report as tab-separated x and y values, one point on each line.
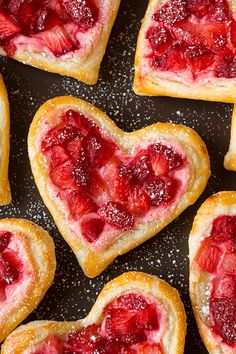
224	229
82	12
91	229
114	214
98	150
160	38
208	257
229	263
141	167
219	10
161	190
4	240
80	204
199	7
58	41
59	136
139	201
158	151
53	346
7	27
58	156
62	176
172	12
224	287
223	313
199	57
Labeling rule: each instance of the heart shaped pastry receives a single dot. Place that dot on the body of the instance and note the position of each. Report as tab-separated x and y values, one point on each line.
27	267
212	245
186	48
68	37
134	313
5	193
108	191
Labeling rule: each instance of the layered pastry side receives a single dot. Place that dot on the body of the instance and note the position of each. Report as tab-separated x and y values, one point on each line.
188	43
213	272
110	187
5	193
135	313
60	35
24	265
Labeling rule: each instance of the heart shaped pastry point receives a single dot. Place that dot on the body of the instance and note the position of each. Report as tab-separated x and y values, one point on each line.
61	36
27	267
212	245
5	193
187	49
134	313
108	191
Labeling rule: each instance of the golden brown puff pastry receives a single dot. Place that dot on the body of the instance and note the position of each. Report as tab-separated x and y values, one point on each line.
185	49
61	36
148	305
107	190
212	272
27	267
5	193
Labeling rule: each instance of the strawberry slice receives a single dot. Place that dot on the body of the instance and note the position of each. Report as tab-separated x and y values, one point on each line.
27	17
61	176
139	202
83	12
7	27
159	38
161	189
208	256
58	156
53	346
114	214
58	41
146	348
229	263
80	204
215	35
224	287
172	12
91	229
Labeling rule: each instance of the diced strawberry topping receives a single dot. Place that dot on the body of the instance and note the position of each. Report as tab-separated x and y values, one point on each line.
193	35
229	263
80	204
160	38
58	41
146	348
83	12
224	287
224	229
124	329
52	346
93	176
208	257
4	240
161	190
172	12
223	313
114	214
91	229
7	27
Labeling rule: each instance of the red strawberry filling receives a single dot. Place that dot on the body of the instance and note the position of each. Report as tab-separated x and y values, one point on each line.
195	36
217	256
51	25
9	264
106	191
129	325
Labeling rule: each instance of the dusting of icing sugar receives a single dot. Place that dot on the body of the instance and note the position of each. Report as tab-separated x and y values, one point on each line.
72	294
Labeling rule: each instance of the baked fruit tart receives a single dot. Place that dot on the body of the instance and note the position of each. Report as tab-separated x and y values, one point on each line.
27	267
108	191
68	37
187	48
212	245
134	313
5	193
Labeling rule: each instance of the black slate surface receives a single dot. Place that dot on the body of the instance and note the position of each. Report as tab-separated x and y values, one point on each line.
166	255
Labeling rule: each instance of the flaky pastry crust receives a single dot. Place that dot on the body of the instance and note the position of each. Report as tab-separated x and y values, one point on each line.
222	203
215	89
5	193
86	68
195	149
230	157
25	338
41	254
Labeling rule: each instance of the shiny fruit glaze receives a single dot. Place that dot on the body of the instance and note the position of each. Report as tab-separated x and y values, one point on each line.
127	323
217	256
95	179
47	18
193	35
9	265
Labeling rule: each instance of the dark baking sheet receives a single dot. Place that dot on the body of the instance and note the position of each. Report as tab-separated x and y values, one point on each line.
166	255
